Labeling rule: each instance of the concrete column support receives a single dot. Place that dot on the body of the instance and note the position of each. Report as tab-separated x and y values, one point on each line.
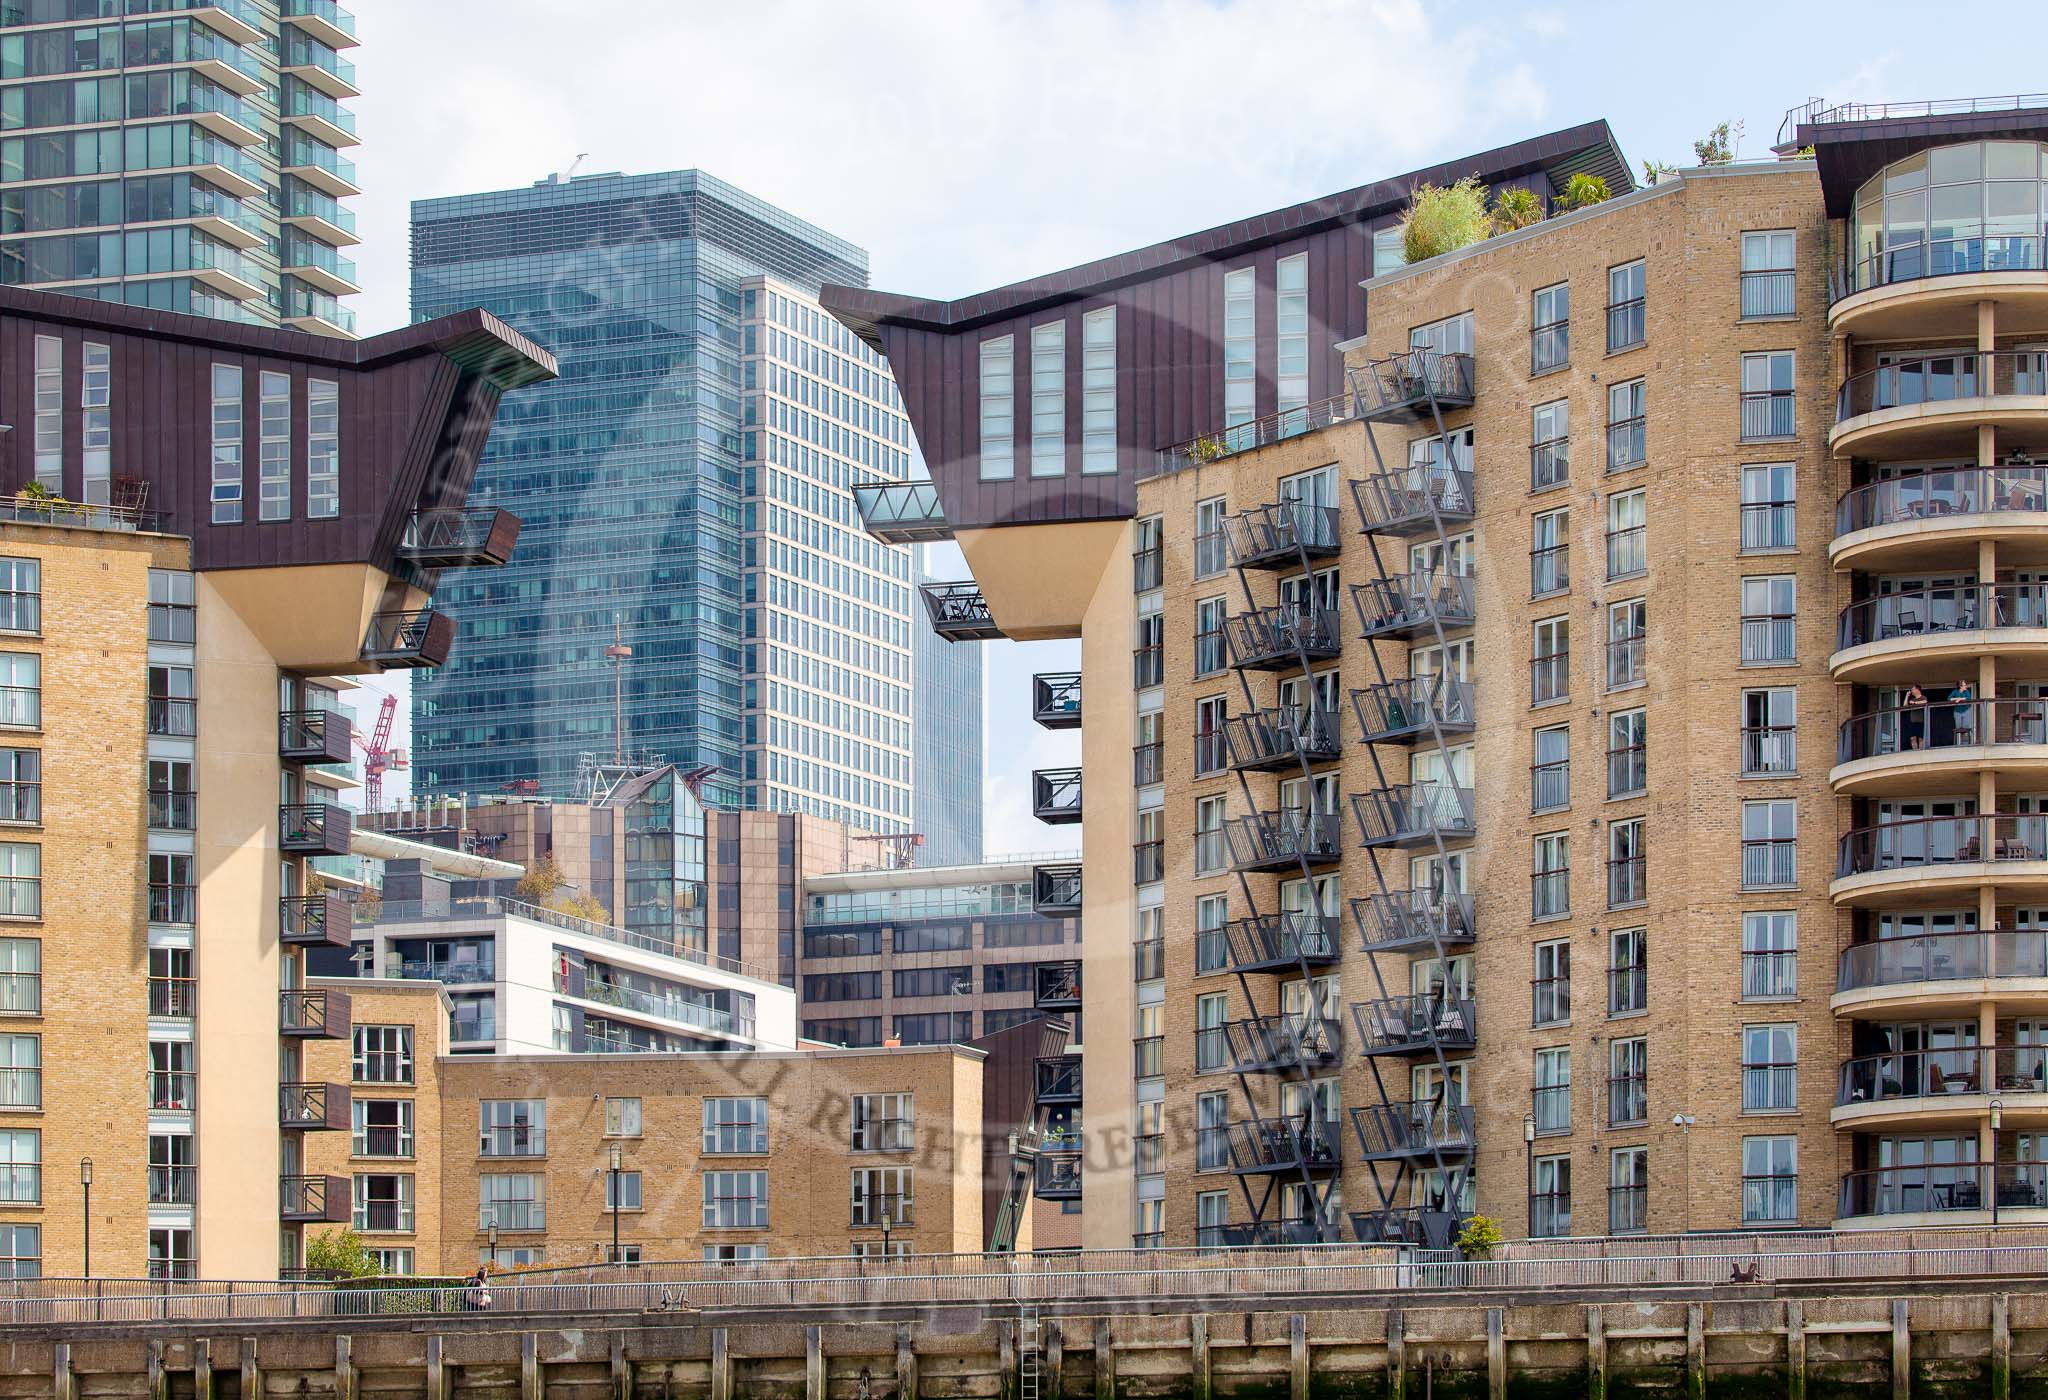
63	1380
1105	1361
721	1365
202	1368
529	1367
1496	1355
344	1367
252	1374
1987	326
1695	1351
1795	1350
2001	1347
437	1369
1297	1356
1596	1355
1397	1355
1006	1361
1198	1355
906	1364
1902	1352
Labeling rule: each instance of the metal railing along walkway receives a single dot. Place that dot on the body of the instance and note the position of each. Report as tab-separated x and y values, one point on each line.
1138	1275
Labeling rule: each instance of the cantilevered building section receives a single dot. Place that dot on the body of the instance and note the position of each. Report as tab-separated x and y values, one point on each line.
184	157
170	726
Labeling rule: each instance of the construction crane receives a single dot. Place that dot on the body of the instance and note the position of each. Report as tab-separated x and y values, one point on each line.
379	757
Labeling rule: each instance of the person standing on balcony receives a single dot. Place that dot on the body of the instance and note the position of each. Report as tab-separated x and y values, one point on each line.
1913	717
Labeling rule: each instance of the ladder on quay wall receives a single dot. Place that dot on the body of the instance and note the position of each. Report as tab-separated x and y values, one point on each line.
1027	1351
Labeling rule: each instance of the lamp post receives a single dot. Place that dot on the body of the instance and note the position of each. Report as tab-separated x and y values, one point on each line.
1991	1176
492	1257
1529	1168
888	1219
85	1180
618	1156
1684	1123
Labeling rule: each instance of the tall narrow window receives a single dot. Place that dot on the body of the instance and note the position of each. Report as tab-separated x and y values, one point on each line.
1768	492
1767	272
1550	312
1768	389
323	449
50	413
1098	391
227	445
1627	635
95	397
1627	867
1627	417
274	467
999	408
1627	520
1240	348
1290	284
1626	324
1049	399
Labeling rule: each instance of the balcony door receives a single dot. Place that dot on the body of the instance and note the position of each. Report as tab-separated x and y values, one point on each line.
1304	591
1924	831
1430	556
1297	1006
1442	978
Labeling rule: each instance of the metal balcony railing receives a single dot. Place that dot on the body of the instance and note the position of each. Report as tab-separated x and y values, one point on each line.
455	537
1410	500
1407	919
1279	840
1930	612
1266	1146
1407	814
1056	985
1248	437
2017	490
1413	1128
1056	699
1056	795
1059	1176
1943	378
1058	1080
1280	534
1414	706
1408	605
1943	957
1927	1074
1280	738
959	613
1926	842
420	638
1276	638
1056	889
314	736
1274	942
1405	386
1289	1041
1422	1021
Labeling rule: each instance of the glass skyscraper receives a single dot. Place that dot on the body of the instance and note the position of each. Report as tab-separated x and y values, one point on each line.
181	156
685	488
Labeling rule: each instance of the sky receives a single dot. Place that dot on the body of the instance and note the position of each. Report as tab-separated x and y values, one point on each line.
970	143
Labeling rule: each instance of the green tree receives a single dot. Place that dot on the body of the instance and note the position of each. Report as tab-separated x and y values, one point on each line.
1653	170
1443	218
581	906
340	1253
540	881
1515	207
1479	1237
1580	192
1717	147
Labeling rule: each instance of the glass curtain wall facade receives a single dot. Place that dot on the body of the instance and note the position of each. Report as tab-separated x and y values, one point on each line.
946	741
187	158
688	482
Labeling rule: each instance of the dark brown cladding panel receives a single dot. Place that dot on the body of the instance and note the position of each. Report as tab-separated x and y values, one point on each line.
415	411
1849	153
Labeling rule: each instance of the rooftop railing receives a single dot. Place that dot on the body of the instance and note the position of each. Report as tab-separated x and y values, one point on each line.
1248	436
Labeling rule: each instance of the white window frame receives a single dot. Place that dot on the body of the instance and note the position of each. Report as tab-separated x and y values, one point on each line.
998	369
1049	399
1098	392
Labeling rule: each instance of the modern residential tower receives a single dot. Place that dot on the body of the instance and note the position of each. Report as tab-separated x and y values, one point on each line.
1585	717
182	157
688	489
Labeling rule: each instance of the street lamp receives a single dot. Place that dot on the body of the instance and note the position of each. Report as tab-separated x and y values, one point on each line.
1991	1183
618	1156
888	1219
85	1180
1529	1168
1684	1123
492	1258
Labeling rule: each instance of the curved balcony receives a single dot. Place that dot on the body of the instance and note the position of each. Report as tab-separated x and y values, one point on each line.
1943	1193
1931	633
1415	707
1943	1088
1932	407
1282	535
1284	738
1944	972
1935	520
1282	942
1926	861
1923	290
1929	749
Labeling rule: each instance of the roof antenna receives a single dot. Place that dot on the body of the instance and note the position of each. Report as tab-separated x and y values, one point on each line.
617	653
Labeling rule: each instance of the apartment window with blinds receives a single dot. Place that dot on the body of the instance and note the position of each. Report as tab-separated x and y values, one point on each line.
50	414
1551	985
1290	281
323	449
1049	399
1770	1069
274	449
21	596
1240	348
1627	425
1627	866
1098	391
1768	395
1212	951
512	1201
227	445
884	1122
998	408
1767	273
95	398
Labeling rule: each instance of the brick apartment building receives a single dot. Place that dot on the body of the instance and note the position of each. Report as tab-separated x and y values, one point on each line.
1581	693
